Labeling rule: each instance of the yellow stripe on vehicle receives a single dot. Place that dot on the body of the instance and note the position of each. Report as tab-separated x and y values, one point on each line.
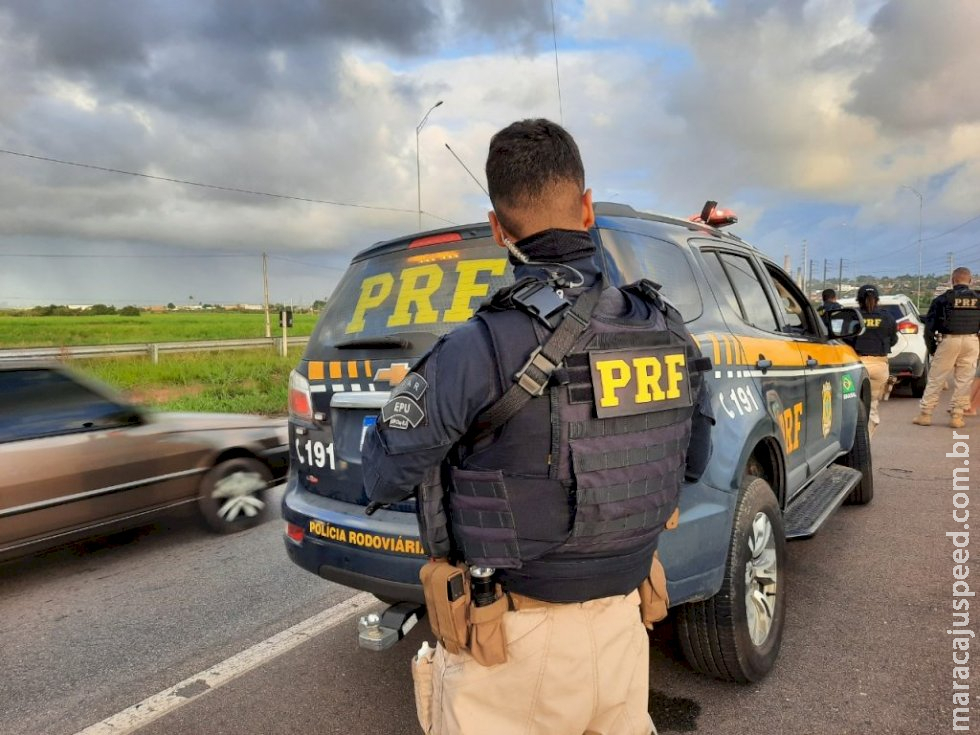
352	369
335	372
315	370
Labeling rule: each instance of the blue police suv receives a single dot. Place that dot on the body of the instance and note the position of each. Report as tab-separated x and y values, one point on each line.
790	400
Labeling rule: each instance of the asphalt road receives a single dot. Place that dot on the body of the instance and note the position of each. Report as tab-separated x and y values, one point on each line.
93	629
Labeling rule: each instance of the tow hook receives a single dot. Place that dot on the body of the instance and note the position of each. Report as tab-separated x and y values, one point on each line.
379	632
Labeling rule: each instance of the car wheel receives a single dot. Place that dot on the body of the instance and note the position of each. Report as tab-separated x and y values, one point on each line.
232	495
736	634
918	385
859	458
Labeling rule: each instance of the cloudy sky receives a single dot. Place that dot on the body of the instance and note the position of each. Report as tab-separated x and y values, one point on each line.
809	118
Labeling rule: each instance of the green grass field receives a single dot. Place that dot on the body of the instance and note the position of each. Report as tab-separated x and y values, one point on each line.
236	381
59	331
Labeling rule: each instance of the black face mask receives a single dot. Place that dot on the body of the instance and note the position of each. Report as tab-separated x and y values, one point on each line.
555	246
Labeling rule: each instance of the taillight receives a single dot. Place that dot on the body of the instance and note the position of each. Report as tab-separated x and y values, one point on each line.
908	327
300	402
294	532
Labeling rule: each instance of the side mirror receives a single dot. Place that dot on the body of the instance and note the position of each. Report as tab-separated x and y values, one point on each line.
846	323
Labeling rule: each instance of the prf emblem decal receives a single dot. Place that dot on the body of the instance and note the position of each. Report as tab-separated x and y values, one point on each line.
628	382
827	419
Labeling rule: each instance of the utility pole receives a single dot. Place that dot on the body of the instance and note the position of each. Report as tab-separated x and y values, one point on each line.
918	286
805	274
265	293
418	167
840	276
824	274
949	257
813	264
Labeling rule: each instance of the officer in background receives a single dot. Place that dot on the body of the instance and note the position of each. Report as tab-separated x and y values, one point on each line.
525	407
953	320
873	345
829	305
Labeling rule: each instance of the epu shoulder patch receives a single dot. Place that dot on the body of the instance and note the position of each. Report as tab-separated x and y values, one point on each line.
641	380
405	409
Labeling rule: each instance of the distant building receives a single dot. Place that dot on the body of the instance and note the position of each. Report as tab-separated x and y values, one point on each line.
249	307
80	307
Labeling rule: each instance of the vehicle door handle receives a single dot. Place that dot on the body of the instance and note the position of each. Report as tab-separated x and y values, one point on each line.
810	362
763	364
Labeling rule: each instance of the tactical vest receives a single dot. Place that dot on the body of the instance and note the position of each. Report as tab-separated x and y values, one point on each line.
961	314
876	338
603	476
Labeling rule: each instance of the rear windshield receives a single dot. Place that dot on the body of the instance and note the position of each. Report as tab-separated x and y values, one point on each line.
894	309
427	289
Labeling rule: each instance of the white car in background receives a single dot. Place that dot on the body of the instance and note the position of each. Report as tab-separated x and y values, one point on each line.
909	359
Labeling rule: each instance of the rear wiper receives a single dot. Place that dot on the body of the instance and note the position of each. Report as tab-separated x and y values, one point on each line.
374	342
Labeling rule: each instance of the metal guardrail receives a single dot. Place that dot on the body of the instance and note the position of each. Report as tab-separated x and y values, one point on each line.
152	350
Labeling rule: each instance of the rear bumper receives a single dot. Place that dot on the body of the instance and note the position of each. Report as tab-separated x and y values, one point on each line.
357	556
906	365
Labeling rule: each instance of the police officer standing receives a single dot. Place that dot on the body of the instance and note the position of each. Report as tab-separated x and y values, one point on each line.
953	320
829	305
562	416
873	345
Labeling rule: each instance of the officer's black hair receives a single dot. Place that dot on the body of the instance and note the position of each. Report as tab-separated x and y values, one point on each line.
528	161
828	294
868	301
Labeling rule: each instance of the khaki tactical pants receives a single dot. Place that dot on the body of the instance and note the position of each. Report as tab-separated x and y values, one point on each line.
572	668
956	358
878	373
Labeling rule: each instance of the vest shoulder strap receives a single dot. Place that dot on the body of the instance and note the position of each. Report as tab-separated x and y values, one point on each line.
649	291
532	379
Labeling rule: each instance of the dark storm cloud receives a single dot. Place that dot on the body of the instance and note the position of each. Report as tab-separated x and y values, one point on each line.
211	59
517	17
925	65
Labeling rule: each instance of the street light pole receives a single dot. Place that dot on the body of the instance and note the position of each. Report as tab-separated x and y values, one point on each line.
418	169
918	284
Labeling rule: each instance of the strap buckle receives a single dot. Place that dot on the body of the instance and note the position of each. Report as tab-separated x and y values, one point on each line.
543	365
541	301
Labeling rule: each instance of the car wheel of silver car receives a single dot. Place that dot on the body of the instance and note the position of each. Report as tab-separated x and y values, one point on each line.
232	495
736	634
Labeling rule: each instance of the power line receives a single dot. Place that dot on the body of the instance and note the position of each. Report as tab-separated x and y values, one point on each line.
188	182
311	265
948	232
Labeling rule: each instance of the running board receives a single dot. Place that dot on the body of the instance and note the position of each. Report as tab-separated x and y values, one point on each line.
819	500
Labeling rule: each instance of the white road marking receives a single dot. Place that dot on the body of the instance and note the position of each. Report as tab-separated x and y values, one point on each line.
176	696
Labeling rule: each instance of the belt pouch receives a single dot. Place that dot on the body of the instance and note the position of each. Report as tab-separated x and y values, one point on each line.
488	641
653	594
422	679
447	618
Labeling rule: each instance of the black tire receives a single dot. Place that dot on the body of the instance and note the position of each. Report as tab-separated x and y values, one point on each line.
715	635
240	477
918	385
859	458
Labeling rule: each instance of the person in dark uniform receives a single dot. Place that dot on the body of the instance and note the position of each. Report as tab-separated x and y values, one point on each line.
829	305
953	320
873	345
525	408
